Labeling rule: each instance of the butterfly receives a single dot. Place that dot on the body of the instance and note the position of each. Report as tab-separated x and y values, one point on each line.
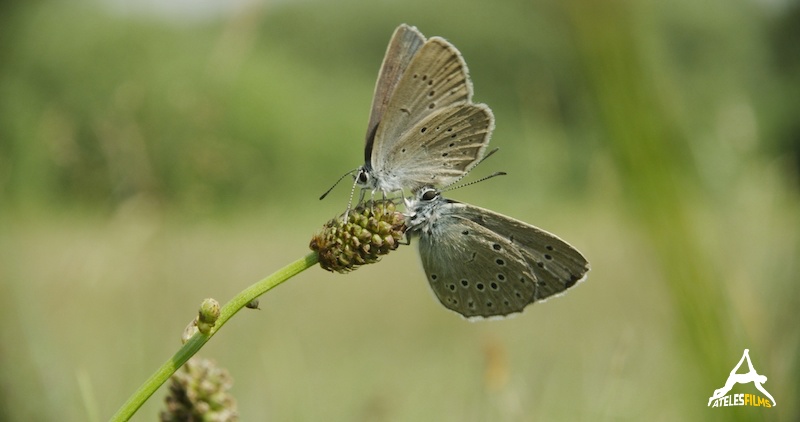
423	127
483	264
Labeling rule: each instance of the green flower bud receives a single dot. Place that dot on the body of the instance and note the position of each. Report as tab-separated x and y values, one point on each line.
207	317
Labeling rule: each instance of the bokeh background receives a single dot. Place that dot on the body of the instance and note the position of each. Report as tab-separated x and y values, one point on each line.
156	153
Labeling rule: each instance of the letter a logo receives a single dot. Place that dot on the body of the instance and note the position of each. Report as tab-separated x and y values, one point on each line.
734	378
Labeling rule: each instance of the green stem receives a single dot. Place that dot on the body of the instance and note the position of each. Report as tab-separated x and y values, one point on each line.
198	340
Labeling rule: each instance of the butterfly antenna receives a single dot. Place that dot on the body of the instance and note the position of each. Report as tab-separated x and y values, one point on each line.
489	154
350	201
495	174
334	185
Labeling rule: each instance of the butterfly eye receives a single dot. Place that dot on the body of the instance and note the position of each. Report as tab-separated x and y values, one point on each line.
363	177
429	195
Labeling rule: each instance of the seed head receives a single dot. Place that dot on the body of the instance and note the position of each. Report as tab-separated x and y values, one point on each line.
370	230
199	391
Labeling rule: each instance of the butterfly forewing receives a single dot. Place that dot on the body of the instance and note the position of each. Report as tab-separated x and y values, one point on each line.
405	43
555	264
435	78
455	136
472	270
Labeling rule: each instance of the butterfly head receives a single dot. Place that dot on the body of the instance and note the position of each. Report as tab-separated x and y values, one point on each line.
364	179
421	209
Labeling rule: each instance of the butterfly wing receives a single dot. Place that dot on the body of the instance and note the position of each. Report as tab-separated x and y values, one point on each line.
436	77
555	264
483	264
438	150
405	43
472	270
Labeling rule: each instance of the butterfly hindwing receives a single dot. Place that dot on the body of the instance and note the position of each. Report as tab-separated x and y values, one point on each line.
440	149
555	264
472	270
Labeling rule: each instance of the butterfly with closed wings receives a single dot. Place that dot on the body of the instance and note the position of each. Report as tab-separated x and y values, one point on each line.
423	128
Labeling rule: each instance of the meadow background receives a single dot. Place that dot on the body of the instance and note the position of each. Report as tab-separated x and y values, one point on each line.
155	153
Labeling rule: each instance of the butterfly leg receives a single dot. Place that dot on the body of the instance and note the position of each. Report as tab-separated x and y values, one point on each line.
383	198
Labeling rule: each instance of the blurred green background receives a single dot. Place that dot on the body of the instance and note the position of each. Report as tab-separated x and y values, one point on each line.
154	154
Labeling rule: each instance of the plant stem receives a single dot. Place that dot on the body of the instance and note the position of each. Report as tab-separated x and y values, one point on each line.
198	340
